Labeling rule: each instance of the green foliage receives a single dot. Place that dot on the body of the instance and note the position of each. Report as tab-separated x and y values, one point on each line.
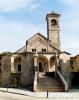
14	81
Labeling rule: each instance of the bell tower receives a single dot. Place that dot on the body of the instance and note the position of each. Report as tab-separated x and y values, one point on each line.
53	29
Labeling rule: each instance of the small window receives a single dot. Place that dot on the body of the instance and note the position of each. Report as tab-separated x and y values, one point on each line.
0	63
0	66
53	22
0	57
71	62
33	50
43	50
0	69
19	68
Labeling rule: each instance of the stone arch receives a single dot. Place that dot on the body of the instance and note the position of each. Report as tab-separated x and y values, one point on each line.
17	63
52	63
42	63
53	22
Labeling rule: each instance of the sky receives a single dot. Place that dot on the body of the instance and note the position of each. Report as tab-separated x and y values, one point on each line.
21	19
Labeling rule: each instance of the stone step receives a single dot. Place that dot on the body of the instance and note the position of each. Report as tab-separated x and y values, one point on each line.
50	84
49	81
39	89
51	88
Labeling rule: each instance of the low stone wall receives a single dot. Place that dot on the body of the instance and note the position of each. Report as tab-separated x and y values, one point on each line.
64	67
26	76
5	70
28	70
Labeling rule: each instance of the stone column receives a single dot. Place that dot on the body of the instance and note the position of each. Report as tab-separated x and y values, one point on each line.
56	64
12	64
49	64
36	71
36	63
57	60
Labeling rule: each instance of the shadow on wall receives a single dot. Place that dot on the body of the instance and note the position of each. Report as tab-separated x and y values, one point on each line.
65	70
75	80
23	78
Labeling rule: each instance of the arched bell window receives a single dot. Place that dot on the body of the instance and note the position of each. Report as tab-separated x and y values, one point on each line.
53	22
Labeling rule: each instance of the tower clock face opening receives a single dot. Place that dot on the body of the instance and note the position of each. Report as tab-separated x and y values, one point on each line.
53	22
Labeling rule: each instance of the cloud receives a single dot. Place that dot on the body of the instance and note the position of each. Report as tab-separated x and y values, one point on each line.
70	2
12	5
34	6
13	34
70	32
70	43
70	26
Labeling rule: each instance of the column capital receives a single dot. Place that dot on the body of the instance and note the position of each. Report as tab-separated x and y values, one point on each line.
48	59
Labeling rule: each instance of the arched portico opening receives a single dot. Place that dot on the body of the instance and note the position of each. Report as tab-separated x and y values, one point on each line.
42	63
15	78
51	72
52	63
75	80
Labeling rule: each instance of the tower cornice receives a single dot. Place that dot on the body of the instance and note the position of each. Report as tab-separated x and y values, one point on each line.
53	14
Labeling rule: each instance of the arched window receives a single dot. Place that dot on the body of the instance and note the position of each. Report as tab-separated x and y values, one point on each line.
53	22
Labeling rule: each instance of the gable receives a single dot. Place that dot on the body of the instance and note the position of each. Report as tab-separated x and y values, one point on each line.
39	42
23	49
37	37
36	42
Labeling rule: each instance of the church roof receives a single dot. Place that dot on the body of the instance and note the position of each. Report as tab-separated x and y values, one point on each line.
22	49
39	35
66	52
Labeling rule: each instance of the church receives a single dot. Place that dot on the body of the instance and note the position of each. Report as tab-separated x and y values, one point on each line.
40	64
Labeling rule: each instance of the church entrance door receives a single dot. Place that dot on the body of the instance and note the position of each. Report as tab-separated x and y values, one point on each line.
40	67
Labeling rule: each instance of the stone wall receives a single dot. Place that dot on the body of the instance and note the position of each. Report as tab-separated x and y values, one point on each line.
5	70
65	67
26	74
28	70
75	63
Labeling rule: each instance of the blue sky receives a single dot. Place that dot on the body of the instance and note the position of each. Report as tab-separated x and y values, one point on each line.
21	19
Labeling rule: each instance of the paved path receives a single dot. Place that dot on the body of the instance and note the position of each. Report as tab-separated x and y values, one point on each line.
10	96
26	95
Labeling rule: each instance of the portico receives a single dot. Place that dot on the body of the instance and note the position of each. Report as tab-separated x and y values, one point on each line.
45	62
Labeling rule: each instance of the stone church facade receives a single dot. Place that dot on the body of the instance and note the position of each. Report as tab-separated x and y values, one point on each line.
40	64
